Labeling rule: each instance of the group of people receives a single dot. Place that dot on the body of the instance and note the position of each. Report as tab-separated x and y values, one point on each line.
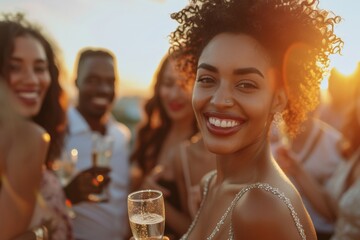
230	135
38	126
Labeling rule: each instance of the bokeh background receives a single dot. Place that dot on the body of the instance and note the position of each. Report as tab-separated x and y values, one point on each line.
137	32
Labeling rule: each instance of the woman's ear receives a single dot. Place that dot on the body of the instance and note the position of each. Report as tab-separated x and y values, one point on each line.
279	101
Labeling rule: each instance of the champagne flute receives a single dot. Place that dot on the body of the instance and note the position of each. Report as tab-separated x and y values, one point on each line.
64	167
65	170
147	214
101	155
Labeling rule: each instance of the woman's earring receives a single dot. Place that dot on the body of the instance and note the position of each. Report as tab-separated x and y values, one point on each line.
278	119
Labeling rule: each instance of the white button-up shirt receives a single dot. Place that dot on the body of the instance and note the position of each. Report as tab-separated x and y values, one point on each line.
101	220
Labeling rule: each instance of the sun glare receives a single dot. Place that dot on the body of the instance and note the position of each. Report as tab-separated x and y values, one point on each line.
347	70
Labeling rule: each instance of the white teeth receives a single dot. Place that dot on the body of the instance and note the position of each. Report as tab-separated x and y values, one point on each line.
100	101
217	122
28	95
223	123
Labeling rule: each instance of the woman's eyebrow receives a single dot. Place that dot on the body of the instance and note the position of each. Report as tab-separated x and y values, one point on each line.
249	70
18	59
208	67
238	71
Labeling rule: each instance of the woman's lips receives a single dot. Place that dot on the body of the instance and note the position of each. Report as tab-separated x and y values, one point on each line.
175	106
28	97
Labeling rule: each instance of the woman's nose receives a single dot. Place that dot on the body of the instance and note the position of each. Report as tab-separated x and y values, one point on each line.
30	77
222	97
176	91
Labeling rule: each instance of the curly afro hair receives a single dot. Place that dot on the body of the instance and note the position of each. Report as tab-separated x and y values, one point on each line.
298	36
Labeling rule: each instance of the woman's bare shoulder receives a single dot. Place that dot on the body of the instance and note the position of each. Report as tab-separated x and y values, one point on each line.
267	213
28	148
34	138
31	129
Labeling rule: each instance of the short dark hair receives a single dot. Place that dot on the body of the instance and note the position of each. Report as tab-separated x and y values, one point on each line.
89	52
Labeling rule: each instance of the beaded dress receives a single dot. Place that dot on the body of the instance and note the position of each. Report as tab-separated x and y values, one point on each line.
263	186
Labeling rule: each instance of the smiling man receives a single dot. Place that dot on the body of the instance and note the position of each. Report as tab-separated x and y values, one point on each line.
95	81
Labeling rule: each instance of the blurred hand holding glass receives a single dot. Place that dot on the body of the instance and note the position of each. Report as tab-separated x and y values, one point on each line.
101	155
147	214
64	167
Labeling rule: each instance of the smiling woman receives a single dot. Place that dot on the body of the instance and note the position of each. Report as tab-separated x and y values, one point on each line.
30	95
252	60
30	70
169	121
225	87
18	184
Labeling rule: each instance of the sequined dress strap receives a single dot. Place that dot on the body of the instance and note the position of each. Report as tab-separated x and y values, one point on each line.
274	191
205	191
263	186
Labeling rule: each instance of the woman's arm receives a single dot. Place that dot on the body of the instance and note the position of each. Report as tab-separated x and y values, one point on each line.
26	148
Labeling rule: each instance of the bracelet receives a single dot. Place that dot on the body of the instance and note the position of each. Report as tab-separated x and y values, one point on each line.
39	233
45	232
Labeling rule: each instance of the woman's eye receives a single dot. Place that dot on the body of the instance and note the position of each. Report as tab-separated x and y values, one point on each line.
205	80
15	68
40	69
168	84
247	85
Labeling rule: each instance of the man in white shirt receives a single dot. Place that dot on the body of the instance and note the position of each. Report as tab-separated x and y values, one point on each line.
96	80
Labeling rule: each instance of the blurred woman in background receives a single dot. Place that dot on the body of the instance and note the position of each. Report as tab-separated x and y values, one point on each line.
30	68
169	121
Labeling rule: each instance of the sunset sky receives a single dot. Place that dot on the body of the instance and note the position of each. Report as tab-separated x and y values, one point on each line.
137	31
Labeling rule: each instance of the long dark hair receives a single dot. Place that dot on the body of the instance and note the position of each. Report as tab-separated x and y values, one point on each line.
52	115
152	133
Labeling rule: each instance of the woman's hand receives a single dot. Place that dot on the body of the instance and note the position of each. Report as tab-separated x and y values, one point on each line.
44	231
152	179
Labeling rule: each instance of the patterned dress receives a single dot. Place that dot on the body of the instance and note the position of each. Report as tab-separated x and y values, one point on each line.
51	207
262	186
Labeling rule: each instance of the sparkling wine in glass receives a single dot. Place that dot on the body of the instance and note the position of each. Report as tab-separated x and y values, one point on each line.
147	214
64	167
101	155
